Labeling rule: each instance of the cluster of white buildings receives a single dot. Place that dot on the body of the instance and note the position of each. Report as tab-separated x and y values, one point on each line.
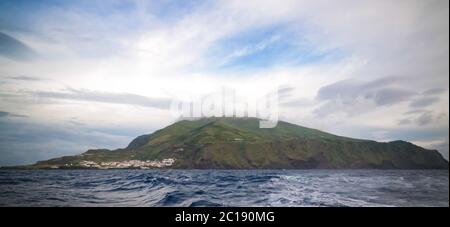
129	164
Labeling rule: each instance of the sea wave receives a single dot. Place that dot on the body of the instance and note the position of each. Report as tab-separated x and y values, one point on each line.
224	188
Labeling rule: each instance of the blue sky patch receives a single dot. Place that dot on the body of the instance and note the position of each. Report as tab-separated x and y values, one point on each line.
265	47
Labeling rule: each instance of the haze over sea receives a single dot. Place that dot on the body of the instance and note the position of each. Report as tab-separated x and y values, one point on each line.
224	188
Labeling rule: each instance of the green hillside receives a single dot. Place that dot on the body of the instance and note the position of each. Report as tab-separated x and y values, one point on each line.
239	143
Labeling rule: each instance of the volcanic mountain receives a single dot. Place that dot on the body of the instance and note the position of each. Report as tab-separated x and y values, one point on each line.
239	143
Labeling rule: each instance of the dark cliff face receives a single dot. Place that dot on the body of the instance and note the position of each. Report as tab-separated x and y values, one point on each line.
238	143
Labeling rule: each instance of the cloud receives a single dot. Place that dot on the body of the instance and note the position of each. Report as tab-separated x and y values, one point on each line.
422	117
8	114
106	97
285	90
298	102
348	95
388	96
25	78
15	49
435	91
383	91
425	119
424	102
404	122
258	47
416	111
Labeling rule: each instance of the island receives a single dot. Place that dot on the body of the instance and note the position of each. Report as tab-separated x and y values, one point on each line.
239	143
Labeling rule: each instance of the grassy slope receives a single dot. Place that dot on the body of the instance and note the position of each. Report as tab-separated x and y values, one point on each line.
240	143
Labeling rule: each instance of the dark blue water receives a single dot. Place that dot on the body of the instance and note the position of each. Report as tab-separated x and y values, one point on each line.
224	188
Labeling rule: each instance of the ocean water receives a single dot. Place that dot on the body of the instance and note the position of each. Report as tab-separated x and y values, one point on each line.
224	188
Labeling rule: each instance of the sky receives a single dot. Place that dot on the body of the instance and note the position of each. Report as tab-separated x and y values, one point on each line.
76	75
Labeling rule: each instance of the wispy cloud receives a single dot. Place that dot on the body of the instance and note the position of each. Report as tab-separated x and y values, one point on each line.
424	102
348	94
106	97
15	49
435	91
25	78
8	114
